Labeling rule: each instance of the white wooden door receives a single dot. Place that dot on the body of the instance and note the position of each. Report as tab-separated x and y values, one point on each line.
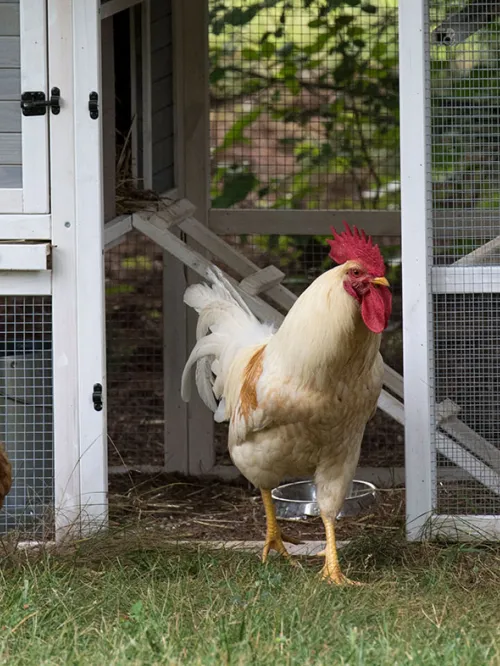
24	172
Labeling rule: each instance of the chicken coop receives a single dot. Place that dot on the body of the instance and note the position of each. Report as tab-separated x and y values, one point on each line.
450	170
141	140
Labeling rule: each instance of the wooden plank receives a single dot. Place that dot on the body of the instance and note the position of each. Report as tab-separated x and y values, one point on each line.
163	121
468	438
489	253
175	345
161	64
459	456
11	201
465	528
262	281
9	20
465	279
116	230
161	32
393	381
112	7
163	157
154	227
10	117
11	177
147	133
24	256
159	8
25	227
302	222
10	52
238	262
108	119
175	353
89	293
194	145
25	283
67	495
10	149
34	76
10	85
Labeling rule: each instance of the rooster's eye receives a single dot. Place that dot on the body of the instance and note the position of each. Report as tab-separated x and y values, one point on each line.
356	272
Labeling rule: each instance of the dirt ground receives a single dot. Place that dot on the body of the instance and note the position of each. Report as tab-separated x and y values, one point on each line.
188	508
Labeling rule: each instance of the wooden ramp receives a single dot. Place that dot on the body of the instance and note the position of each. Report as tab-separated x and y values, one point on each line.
174	220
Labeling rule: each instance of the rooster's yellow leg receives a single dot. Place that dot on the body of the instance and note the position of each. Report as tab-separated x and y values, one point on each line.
331	570
274	538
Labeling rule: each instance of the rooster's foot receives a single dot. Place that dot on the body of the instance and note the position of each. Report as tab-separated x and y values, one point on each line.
331	571
274	538
276	543
334	576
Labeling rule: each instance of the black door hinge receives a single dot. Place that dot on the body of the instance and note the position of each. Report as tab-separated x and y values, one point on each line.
94	105
35	104
97	397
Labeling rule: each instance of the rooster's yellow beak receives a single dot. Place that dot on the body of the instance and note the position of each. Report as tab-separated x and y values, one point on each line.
381	280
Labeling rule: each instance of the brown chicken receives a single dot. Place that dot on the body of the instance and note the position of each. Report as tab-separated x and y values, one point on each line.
297	399
5	475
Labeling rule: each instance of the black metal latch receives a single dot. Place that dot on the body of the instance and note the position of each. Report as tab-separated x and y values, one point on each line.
35	104
94	105
97	397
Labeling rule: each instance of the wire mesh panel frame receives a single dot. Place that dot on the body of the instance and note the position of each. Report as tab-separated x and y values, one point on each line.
75	281
421	282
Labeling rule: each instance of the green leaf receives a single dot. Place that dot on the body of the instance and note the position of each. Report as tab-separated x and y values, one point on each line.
250	54
217	74
239	16
236	132
268	49
235	189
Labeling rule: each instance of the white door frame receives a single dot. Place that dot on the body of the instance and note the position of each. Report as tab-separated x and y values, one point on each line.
80	486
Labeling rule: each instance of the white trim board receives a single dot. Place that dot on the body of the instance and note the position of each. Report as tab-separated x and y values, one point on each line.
25	227
465	279
420	453
25	283
462	528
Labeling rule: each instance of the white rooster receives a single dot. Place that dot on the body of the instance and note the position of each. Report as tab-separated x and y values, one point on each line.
297	399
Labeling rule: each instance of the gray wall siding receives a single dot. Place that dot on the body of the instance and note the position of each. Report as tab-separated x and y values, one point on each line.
162	121
10	92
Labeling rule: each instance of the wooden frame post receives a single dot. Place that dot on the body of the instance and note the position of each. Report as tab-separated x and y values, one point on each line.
420	455
80	470
189	428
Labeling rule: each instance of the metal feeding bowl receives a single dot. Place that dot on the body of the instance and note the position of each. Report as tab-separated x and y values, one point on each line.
296	501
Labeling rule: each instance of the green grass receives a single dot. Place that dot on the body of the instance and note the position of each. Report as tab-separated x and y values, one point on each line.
111	604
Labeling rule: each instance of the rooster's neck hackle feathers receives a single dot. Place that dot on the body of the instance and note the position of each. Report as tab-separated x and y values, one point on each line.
356	246
323	334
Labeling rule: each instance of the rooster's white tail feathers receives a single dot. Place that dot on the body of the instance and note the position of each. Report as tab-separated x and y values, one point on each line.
225	326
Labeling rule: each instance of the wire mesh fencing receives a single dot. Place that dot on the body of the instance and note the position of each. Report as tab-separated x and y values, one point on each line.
464	137
304	104
134	333
26	414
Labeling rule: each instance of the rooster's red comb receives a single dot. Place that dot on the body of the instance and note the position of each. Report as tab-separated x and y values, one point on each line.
355	245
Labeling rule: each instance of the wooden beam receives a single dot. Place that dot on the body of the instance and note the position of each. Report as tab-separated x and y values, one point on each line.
116	230
192	148
302	222
154	227
112	7
262	281
108	119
